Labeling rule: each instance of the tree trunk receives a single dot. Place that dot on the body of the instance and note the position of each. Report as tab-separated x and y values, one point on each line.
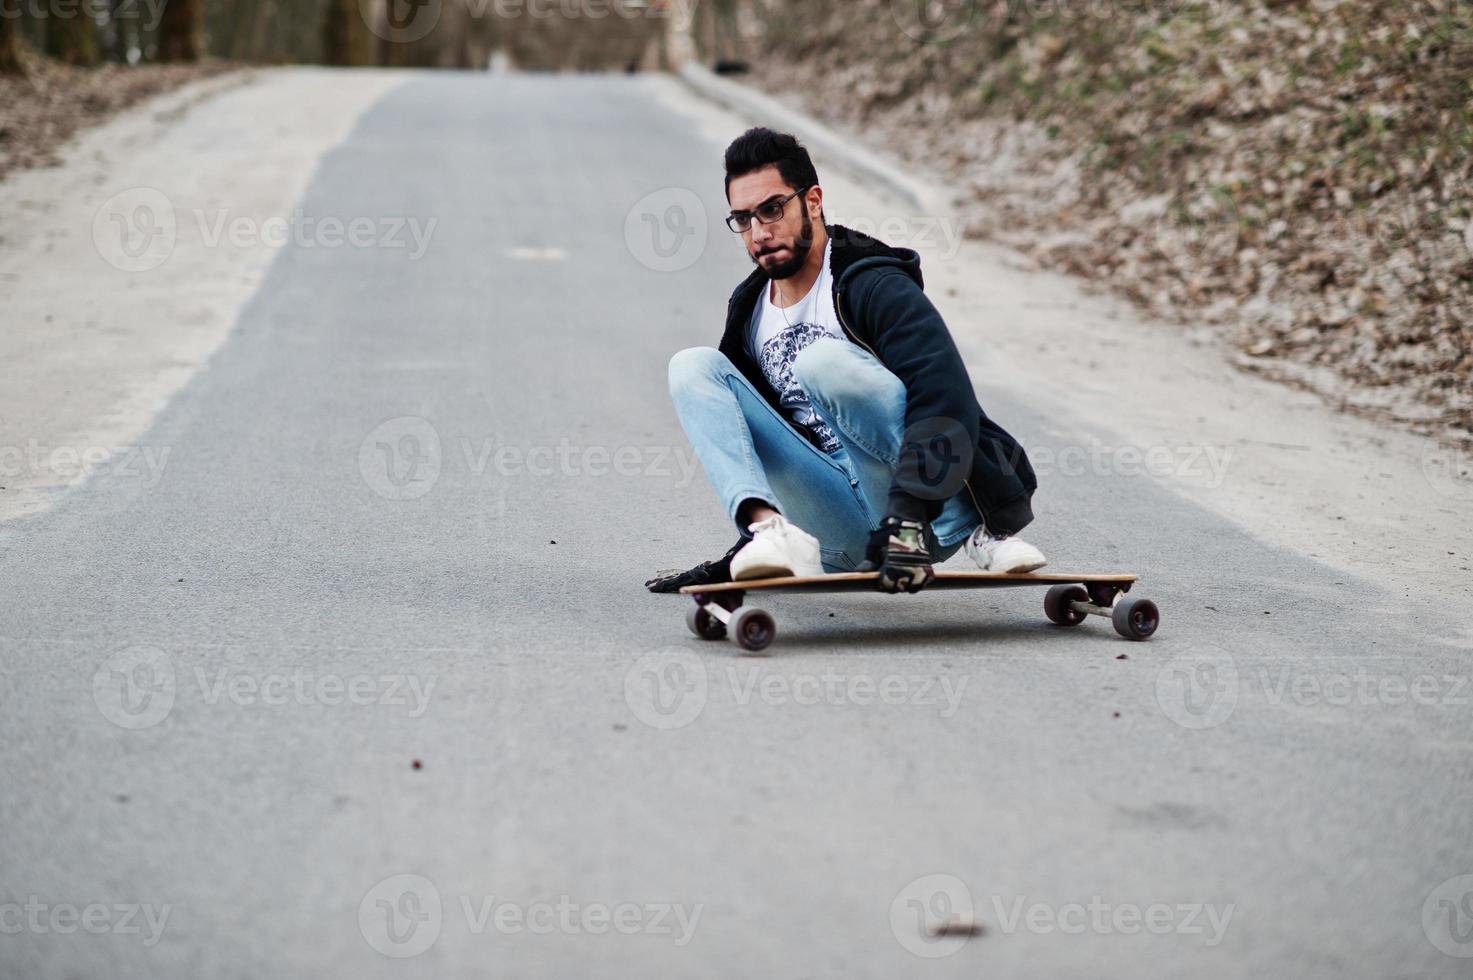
10	63
71	33
345	37
181	30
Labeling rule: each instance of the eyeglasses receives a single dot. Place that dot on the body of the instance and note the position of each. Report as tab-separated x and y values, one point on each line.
767	212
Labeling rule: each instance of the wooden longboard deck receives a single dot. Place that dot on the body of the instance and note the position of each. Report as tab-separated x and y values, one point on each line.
861	581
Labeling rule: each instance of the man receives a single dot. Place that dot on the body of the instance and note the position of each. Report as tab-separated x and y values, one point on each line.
836	421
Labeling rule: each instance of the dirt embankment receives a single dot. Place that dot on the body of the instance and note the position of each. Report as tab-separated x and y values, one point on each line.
44	108
1300	174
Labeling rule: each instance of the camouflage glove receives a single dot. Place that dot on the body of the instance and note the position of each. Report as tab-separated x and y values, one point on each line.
898	552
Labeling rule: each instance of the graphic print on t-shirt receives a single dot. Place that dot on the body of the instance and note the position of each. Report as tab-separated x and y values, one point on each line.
777	357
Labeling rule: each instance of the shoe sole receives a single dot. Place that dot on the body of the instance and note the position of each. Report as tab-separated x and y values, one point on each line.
762	571
1021	569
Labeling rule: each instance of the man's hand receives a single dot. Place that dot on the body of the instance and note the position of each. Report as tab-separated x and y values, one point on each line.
898	552
706	573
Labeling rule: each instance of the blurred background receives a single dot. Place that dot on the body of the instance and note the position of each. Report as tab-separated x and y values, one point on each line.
1296	174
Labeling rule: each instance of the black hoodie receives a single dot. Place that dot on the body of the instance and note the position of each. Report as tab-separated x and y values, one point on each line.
951	446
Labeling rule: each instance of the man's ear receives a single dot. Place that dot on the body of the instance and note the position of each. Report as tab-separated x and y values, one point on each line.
814	201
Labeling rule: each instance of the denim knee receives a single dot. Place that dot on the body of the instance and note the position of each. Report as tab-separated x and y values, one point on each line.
834	372
694	365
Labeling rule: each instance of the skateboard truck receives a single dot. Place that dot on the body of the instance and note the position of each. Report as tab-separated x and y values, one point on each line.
720	615
1134	619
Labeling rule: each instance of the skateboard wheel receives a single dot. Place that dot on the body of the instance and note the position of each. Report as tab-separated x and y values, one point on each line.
753	629
1135	619
703	624
1056	604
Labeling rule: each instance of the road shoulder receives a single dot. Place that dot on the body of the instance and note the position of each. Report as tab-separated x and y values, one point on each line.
118	284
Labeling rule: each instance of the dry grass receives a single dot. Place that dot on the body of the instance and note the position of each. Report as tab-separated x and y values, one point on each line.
1299	174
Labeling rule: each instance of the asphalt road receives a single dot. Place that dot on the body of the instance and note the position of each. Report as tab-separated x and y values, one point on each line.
379	614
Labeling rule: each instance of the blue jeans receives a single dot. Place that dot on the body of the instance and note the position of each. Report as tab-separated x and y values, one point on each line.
749	450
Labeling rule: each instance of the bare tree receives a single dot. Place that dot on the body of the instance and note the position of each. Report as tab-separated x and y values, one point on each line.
345	37
71	33
10	60
181	30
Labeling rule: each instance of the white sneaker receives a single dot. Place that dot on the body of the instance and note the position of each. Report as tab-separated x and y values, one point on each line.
777	549
1002	554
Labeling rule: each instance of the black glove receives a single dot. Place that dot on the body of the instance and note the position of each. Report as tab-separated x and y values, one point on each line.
898	552
706	573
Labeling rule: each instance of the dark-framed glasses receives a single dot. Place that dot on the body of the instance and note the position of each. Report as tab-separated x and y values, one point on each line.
767	212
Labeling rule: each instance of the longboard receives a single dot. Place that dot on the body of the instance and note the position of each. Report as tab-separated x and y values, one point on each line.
718	612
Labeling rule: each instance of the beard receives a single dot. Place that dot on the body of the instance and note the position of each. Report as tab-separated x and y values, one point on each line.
801	248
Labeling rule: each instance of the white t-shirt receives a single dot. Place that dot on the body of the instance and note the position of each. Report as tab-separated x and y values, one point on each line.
776	335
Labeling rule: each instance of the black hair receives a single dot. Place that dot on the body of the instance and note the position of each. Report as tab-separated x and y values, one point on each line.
761	147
